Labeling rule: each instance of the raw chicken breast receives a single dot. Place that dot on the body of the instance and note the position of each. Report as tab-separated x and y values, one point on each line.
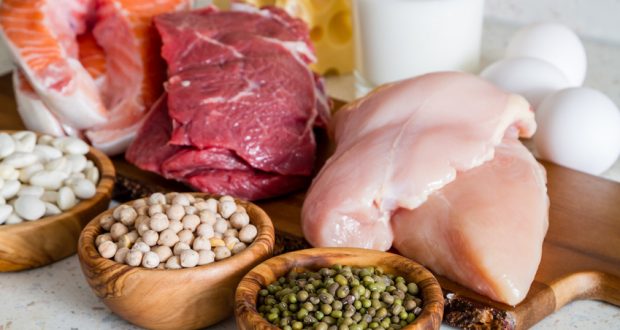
406	142
398	145
125	31
484	230
41	35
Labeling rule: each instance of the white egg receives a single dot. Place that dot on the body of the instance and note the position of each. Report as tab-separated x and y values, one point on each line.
554	43
530	77
579	128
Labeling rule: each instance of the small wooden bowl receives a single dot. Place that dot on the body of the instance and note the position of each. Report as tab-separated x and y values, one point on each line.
314	259
187	298
32	244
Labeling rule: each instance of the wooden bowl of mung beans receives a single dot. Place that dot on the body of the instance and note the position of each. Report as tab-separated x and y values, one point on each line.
335	288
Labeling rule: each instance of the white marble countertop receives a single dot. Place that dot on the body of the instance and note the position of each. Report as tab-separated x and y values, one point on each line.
58	297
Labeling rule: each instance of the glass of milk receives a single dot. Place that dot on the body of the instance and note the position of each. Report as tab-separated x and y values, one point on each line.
398	39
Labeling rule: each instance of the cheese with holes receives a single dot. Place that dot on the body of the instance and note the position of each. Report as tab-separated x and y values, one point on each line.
330	30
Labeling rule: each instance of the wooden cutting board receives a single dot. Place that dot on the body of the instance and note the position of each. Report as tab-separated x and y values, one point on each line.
581	253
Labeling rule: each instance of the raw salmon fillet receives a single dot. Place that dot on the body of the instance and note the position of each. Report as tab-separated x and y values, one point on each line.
125	31
41	35
409	140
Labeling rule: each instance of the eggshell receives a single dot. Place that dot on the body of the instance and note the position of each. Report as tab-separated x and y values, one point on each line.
579	128
530	77
554	43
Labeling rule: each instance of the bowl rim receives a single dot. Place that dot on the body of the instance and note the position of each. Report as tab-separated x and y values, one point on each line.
433	300
107	178
265	239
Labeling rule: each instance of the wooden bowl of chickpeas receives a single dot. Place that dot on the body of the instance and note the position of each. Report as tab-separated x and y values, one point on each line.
173	261
331	288
50	187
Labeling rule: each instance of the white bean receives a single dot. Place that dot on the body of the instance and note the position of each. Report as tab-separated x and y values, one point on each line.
8	172
5	211
51	209
27	172
66	198
50	180
29	208
25	141
47	153
84	189
77	163
7	145
35	191
14	219
61	164
75	146
10	189
21	159
50	196
92	174
45	139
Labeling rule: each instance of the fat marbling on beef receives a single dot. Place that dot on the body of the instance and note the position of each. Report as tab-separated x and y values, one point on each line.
242	104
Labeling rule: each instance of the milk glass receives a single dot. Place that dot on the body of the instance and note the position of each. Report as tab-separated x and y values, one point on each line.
398	39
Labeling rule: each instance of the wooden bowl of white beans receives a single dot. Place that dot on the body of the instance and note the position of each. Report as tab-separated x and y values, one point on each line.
29	236
175	291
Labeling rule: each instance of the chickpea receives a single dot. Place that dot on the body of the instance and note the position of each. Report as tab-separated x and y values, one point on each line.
150	237
157	198
230	241
205	257
231	232
138	203
201	243
164	252
134	258
248	234
141	246
117	211
201	205
128	216
106	222
180	247
176	226
102	238
159	222
190	210
107	249
175	212
212	204
161	266
143	210
222	252
155	208
142	228
205	230
208	217
150	260
239	246
170	196
221	226
239	220
226	198
124	241
121	254
218	235
181	199
241	209
215	242
227	208
133	236
190	222
141	219
173	262
168	238
189	258
117	230
186	236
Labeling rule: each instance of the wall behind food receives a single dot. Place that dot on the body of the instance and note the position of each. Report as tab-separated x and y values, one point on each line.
599	19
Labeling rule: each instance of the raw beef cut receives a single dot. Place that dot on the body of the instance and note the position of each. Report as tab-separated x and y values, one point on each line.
242	102
403	144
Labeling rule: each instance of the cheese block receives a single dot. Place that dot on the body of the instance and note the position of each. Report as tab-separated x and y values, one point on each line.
330	30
